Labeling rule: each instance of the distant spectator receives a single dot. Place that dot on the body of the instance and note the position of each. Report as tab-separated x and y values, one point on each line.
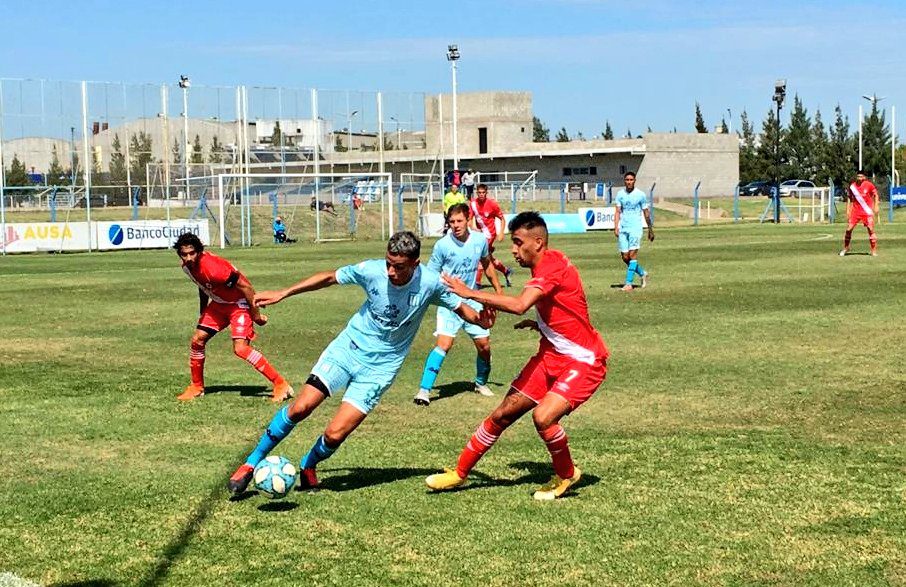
322	206
280	232
468	183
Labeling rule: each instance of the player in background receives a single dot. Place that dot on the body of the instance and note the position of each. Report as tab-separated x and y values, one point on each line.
227	299
460	252
631	204
453	196
570	364
485	214
366	356
861	207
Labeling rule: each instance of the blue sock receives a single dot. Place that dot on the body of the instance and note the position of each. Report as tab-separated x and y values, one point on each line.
432	368
639	270
277	430
318	452
482	370
630	271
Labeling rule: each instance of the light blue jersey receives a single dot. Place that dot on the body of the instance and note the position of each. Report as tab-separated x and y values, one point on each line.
459	259
380	333
631	205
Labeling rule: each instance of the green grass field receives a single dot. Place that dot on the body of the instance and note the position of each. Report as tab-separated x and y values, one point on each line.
752	429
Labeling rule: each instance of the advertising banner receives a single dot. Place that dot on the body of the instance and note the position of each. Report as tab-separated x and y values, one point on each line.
31	237
559	223
148	234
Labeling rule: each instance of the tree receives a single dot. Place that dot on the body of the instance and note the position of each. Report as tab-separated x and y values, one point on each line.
562	136
699	120
820	170
215	154
649	129
16	174
139	154
177	158
197	151
628	134
876	144
55	174
724	130
749	165
338	143
540	133
841	150
276	136
771	134
608	132
117	163
797	147
580	136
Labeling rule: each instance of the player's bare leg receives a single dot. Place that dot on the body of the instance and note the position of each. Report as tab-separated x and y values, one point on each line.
278	429
511	408
847	238
483	366
546	418
872	239
196	365
282	389
347	419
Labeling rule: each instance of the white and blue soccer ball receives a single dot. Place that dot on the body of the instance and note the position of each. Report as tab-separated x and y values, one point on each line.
275	476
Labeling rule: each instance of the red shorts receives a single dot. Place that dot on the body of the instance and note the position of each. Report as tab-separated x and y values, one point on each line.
551	372
868	221
217	316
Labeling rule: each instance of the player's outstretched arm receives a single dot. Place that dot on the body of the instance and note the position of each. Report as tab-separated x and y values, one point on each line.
314	282
511	304
650	225
491	272
485	318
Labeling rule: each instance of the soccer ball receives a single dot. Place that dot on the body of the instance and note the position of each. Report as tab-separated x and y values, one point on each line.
274	476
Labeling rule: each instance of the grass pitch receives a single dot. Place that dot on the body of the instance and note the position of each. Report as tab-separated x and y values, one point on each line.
750	431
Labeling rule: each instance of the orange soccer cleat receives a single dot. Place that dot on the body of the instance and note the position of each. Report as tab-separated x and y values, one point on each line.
192	391
282	391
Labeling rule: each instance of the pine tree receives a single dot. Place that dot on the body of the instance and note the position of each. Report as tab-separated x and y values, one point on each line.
723	127
771	133
608	132
197	151
338	143
820	170
55	174
628	133
841	150
562	136
699	120
749	164
580	136
117	163
649	129
16	175
139	155
215	154
797	145
540	133
876	144
177	158
277	135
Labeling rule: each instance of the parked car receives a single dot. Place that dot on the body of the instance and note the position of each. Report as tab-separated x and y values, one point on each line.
796	187
756	188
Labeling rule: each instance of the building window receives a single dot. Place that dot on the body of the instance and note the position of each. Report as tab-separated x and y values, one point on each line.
570	171
592	170
622	170
522	129
567	171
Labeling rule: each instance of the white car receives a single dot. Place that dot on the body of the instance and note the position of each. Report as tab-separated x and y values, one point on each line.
796	187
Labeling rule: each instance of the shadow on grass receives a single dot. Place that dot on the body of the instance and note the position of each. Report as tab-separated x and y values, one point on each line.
362	477
242	390
87	583
278	506
536	475
449	390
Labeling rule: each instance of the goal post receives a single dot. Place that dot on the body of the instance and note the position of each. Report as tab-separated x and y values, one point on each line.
319	207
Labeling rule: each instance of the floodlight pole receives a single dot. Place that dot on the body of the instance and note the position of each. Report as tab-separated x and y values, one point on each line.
860	136
779	94
184	83
453	57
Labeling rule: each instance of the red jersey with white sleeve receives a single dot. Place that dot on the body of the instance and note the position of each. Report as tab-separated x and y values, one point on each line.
217	278
562	310
863	198
486	215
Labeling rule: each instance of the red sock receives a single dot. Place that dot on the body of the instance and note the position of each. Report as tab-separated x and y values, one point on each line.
873	239
254	358
499	266
481	442
558	445
196	363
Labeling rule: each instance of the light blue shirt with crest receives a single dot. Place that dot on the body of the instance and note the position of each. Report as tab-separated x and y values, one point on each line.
381	332
631	205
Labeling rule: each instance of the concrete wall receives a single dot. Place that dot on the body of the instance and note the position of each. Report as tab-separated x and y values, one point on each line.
677	161
507	116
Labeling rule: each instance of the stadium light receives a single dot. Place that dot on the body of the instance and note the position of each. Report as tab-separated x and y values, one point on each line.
453	57
779	95
185	83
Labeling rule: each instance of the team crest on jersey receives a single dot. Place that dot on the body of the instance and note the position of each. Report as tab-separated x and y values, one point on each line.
413	299
373	291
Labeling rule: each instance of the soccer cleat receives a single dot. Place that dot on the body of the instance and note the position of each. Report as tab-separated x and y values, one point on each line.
645	280
874	253
308	480
506	276
422	398
192	391
557	486
240	480
843	252
444	481
482	389
627	287
282	391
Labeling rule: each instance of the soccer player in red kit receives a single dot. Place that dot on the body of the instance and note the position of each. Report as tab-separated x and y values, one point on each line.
861	207
568	368
485	213
227	299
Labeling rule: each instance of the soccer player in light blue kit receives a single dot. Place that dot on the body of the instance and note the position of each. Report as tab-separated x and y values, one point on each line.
459	253
365	357
631	205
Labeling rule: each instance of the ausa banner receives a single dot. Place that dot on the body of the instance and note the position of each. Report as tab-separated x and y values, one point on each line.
31	237
148	234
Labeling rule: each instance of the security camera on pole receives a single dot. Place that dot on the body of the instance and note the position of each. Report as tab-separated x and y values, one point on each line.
453	57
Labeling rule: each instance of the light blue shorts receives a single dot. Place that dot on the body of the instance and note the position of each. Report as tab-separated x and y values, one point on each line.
449	323
339	368
629	240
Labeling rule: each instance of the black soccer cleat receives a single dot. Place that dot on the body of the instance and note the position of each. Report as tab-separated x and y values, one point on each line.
240	480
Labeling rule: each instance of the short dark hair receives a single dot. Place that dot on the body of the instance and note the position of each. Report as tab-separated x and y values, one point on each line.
482	186
861	172
404	243
189	239
528	221
628	173
459	209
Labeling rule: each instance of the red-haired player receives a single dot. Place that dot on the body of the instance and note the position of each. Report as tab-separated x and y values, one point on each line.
227	299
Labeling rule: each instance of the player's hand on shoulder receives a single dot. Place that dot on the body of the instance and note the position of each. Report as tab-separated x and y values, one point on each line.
267	298
260	319
526	324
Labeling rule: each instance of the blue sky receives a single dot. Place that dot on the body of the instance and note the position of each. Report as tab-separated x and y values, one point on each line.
636	64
